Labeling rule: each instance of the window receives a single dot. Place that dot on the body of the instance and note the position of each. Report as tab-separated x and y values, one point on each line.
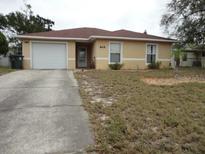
151	53
115	52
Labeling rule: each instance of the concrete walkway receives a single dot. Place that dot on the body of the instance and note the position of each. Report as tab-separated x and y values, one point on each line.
41	112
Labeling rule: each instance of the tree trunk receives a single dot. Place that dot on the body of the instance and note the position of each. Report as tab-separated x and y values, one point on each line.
177	63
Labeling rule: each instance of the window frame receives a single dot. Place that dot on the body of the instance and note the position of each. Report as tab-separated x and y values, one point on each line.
121	51
146	52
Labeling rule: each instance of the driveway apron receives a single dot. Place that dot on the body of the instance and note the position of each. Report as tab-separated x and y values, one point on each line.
41	112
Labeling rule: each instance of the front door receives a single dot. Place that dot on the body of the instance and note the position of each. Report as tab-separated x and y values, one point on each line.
82	57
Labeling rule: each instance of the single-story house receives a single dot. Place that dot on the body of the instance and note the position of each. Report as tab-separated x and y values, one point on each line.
93	48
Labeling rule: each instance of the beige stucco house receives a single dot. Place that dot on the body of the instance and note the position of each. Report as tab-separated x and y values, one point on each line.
93	48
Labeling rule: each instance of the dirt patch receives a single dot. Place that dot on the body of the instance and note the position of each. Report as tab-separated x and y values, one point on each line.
172	81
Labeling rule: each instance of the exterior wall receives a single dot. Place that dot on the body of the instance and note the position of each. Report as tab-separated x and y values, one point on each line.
101	52
132	64
134	54
93	54
165	54
71	55
26	64
4	61
164	51
190	59
26	54
165	64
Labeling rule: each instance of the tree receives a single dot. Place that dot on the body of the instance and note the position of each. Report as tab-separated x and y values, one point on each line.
22	22
177	53
25	22
185	19
3	44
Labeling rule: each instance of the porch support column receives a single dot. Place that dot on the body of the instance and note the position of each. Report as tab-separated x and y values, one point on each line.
71	55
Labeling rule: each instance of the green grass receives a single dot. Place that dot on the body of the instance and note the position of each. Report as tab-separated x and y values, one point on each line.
4	70
147	118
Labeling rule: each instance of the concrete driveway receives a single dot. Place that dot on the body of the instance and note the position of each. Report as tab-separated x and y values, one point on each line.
41	112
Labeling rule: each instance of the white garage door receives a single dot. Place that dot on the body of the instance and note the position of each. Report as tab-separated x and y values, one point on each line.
49	55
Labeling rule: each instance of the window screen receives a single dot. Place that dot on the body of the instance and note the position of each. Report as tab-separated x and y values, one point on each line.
115	52
151	53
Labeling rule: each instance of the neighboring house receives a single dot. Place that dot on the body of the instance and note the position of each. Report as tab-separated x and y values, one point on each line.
193	57
5	60
93	48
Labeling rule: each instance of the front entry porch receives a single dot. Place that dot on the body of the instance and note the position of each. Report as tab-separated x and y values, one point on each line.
84	56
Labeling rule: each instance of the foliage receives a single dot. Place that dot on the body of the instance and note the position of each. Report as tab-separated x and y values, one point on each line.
5	70
178	52
115	66
185	19
154	65
25	22
21	22
3	44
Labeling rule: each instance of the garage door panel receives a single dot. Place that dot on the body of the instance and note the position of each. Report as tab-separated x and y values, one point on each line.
49	55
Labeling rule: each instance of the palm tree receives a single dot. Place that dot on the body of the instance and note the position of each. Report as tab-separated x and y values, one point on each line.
177	53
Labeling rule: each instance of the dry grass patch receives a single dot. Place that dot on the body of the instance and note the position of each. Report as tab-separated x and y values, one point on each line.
145	118
174	77
172	81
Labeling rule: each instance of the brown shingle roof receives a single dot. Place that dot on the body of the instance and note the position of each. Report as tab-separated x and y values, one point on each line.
72	33
127	33
88	32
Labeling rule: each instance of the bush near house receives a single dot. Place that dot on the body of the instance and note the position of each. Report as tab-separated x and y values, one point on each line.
154	65
115	66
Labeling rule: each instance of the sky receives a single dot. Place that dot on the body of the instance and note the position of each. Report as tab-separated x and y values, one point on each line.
135	15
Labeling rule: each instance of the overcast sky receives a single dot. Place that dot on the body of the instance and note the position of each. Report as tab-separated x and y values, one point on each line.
136	15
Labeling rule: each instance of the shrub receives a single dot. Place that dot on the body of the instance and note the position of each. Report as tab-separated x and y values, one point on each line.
154	65
115	66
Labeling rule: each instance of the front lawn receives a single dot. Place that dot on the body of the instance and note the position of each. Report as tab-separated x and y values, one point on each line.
131	116
4	70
